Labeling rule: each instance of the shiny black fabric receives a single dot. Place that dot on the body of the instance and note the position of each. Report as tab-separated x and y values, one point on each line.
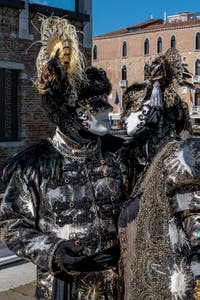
61	289
53	197
68	259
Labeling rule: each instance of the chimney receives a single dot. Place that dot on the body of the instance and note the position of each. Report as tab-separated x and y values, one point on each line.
165	17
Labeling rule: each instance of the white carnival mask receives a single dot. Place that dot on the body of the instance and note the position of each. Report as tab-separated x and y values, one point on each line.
136	119
95	118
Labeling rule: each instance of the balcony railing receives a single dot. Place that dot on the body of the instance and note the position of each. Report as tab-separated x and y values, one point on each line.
196	79
195	109
123	83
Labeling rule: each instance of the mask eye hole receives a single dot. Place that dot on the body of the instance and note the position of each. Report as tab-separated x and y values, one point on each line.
92	111
135	107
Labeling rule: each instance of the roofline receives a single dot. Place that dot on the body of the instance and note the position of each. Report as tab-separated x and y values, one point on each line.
48	10
145	23
146	31
135	26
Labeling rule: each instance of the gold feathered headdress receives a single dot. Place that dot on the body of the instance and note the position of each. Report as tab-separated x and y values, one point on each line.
59	38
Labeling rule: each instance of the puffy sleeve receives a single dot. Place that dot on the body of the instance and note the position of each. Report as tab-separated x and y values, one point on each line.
184	184
19	224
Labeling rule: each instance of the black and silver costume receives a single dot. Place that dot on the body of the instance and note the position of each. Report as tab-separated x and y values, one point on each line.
64	195
160	224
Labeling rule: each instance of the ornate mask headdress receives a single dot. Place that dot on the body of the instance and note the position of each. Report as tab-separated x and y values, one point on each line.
63	80
60	42
170	73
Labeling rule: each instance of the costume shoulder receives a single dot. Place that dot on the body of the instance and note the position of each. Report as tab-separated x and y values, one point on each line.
40	157
111	143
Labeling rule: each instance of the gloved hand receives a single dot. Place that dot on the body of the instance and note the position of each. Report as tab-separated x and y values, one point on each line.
103	260
69	258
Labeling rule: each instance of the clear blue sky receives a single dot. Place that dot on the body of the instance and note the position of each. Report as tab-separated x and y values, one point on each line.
110	15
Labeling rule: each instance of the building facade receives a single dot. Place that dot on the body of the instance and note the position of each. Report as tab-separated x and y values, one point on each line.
123	54
22	120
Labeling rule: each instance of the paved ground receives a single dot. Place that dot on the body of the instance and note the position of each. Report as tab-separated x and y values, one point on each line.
18	282
16	276
25	292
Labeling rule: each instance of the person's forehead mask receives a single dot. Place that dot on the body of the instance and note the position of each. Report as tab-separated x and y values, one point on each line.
93	115
95	105
134	99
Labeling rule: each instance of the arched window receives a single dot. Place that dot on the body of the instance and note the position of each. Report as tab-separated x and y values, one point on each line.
197	99
146	47
173	42
124	73
159	45
124	49
95	52
197	67
198	40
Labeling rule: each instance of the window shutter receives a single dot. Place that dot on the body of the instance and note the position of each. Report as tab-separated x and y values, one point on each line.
8	105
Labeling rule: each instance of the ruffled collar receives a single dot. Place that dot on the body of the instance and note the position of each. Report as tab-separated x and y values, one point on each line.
70	148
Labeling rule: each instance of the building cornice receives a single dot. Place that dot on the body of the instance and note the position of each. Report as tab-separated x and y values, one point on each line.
147	31
12	4
48	11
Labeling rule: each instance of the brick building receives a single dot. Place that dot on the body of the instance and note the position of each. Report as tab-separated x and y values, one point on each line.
124	52
22	120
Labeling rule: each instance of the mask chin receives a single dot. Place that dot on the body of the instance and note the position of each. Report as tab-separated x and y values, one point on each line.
98	127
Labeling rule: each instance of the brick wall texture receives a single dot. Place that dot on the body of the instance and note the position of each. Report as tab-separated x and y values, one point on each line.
33	124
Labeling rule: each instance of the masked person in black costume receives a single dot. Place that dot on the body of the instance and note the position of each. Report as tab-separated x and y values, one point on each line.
64	194
160	223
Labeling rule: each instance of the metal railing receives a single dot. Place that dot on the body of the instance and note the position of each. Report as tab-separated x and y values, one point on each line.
195	109
196	79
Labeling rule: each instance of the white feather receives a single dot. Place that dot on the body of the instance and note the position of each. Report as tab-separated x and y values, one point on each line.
179	283
177	236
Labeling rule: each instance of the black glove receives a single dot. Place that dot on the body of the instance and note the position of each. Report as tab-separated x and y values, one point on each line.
103	260
69	258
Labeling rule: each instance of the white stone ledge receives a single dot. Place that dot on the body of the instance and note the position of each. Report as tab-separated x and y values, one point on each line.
11	65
